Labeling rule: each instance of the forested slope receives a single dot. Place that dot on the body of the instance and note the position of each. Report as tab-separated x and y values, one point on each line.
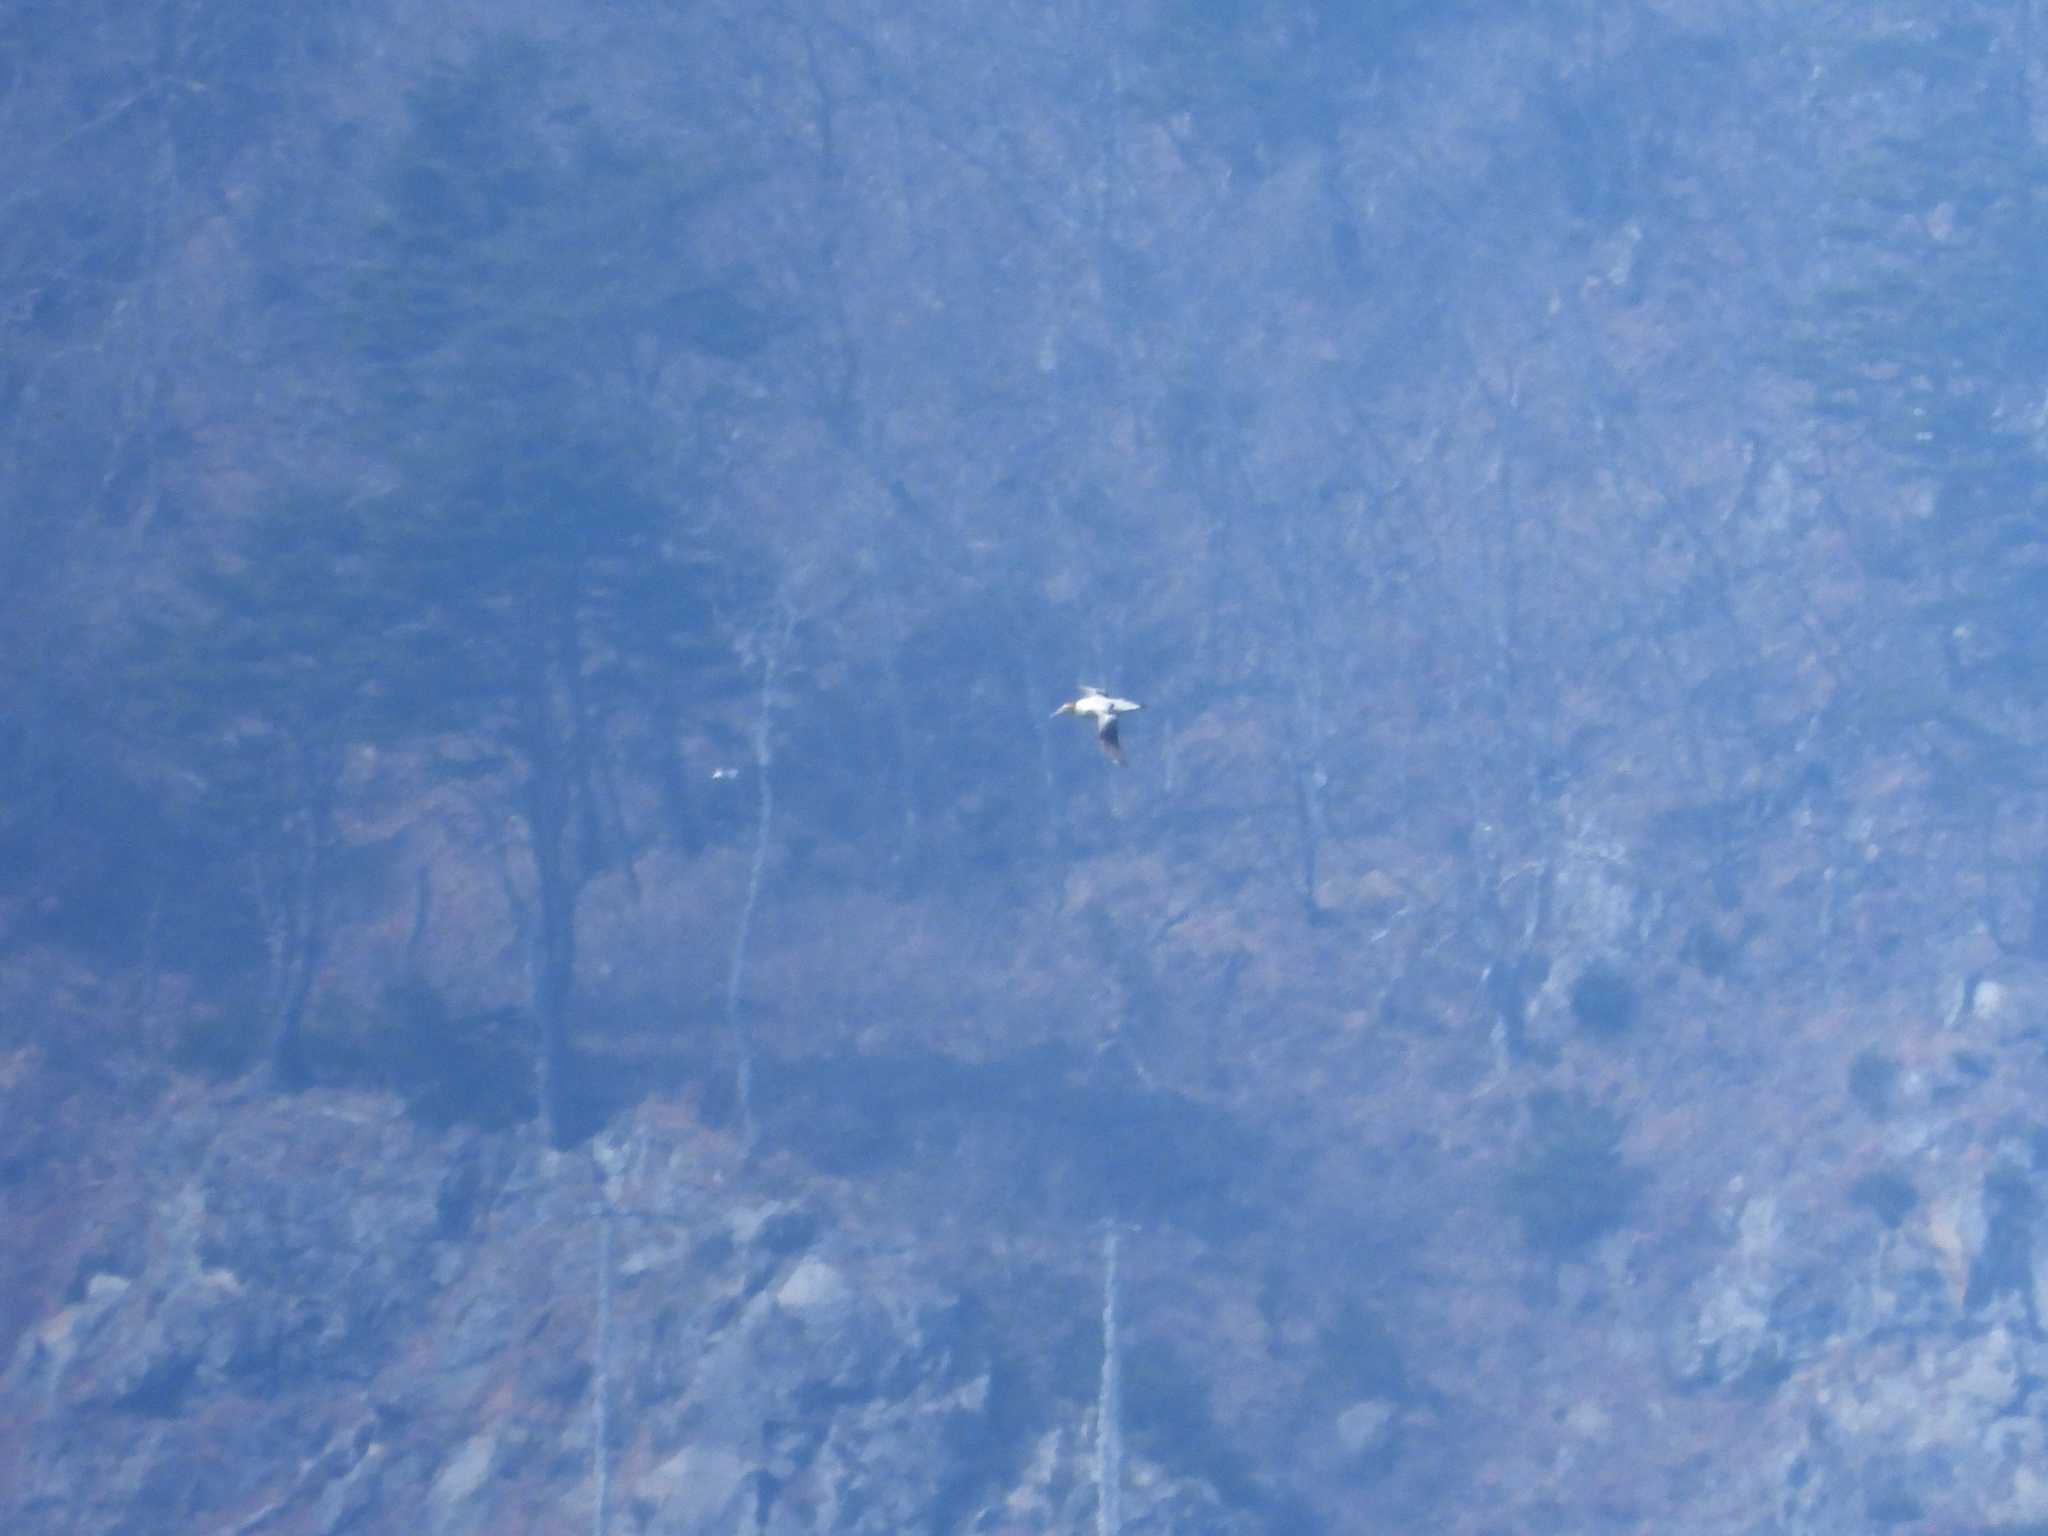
558	970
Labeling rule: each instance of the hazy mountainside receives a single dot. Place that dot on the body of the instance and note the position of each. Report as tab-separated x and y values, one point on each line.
560	974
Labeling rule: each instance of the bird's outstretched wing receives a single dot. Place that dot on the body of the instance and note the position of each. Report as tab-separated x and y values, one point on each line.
1105	734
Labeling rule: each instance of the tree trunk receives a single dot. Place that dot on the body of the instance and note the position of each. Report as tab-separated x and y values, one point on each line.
550	792
299	940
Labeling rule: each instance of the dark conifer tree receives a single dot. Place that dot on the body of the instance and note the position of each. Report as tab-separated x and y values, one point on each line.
533	575
256	696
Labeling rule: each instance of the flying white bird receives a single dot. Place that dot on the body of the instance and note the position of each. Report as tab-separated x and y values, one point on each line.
1098	706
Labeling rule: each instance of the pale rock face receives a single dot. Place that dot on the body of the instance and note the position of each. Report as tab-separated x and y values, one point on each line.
1364	1427
701	1487
466	1471
41	1358
2007	1002
814	1287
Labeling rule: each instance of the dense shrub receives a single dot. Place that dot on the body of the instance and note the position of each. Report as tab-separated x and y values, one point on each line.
1569	1184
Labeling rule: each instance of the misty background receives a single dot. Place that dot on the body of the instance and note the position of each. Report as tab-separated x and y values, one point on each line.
559	973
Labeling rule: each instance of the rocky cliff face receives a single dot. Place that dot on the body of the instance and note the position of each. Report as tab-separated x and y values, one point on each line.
311	1316
236	1311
